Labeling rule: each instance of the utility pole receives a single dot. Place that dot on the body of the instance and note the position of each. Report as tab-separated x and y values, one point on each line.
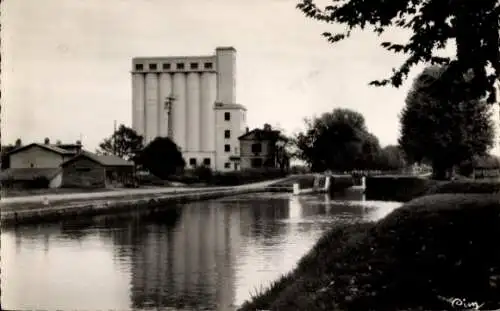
168	107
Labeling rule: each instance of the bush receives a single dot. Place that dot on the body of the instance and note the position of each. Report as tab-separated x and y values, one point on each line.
433	246
465	187
39	182
152	180
203	173
396	188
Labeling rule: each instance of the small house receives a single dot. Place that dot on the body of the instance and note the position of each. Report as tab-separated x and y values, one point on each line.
91	170
262	148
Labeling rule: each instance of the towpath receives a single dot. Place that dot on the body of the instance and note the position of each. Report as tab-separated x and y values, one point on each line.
127	192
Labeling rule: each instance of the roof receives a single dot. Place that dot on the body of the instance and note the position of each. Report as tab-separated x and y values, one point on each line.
52	148
220	106
259	134
104	160
25	174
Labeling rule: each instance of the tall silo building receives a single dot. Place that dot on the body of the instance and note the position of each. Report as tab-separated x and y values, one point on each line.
192	100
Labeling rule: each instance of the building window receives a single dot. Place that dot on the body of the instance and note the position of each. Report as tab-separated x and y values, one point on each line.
152	66
206	161
139	66
256	148
227	134
227	148
194	65
166	66
227	165
208	65
227	116
236	150
32	165
192	161
257	163
180	66
83	169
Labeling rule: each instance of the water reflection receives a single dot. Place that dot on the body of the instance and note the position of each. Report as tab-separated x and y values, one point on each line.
205	255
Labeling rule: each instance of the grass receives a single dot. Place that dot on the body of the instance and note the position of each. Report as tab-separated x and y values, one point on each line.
437	245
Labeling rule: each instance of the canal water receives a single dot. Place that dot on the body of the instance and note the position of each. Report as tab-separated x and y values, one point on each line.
208	255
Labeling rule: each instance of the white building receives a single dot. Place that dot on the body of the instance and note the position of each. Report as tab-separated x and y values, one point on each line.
204	119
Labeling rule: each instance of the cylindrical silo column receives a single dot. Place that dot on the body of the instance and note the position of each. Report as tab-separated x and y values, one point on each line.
165	92
193	112
138	103
207	120
151	106
179	110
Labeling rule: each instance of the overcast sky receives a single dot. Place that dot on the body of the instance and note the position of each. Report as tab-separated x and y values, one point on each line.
66	63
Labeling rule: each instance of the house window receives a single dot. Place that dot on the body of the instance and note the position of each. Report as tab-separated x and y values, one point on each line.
257	163
166	66
83	169
227	134
227	148
194	65
227	165
206	161
152	66
256	148
227	116
192	161
139	66
32	165
180	66
208	65
236	150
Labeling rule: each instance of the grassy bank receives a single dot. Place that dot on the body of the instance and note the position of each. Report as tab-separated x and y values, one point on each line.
441	245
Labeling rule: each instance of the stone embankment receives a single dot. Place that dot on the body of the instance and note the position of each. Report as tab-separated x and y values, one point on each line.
50	208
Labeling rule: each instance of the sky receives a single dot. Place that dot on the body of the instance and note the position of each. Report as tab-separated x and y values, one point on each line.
66	64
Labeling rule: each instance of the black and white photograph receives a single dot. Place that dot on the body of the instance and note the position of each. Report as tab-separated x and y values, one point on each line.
265	155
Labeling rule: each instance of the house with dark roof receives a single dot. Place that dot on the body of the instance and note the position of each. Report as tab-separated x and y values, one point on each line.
262	148
91	170
39	156
35	166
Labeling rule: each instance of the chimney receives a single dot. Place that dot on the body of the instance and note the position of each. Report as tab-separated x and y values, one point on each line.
246	129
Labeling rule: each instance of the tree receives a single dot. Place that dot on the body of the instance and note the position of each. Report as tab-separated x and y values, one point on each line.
472	25
337	141
162	157
124	143
391	158
440	130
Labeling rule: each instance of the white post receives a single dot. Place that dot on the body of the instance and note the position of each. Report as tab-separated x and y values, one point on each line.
327	182
296	189
363	182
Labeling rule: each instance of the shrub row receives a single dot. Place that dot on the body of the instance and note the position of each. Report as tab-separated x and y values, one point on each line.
396	188
233	178
38	182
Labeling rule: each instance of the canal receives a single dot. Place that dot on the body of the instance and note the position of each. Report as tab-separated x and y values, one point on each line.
208	255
